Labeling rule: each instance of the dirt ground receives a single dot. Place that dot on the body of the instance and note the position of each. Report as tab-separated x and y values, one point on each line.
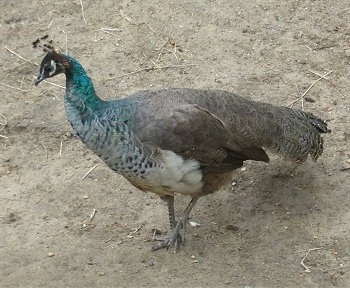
59	230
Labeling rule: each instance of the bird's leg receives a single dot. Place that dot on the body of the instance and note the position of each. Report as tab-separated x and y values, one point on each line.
175	237
185	215
171	210
172	220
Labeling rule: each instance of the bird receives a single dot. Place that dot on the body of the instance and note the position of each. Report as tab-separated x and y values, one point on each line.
180	141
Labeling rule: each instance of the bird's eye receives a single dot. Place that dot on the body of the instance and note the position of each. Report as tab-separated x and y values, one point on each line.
50	68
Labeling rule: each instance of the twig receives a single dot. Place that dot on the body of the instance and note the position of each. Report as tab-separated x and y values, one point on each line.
106	241
87	173
137	229
149	26
161	49
325	47
21	64
53	84
175	50
110	33
137	24
3	125
55	96
19	89
109	30
19	56
21	82
82	11
60	153
302	103
313	84
318	74
5	121
326	78
92	215
66	43
151	69
308	89
45	151
307	269
309	48
48	27
124	16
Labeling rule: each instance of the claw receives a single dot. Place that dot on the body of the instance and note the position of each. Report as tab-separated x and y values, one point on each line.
174	239
168	242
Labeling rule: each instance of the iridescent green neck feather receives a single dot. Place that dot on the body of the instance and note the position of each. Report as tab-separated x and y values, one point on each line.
80	89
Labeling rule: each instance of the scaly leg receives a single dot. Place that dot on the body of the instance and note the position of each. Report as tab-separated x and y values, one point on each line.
171	210
175	237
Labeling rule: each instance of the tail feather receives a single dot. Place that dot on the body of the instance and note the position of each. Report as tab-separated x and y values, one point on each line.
301	134
293	133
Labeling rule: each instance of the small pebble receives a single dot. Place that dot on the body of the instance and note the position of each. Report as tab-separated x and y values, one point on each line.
85	197
101	273
231	227
193	257
50	254
345	167
309	99
156	232
194	224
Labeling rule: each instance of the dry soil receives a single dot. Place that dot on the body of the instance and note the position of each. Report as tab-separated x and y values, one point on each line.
253	234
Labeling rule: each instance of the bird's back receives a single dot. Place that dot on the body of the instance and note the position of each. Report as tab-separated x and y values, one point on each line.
293	133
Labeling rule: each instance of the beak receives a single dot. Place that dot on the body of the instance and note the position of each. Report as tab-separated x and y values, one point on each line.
38	79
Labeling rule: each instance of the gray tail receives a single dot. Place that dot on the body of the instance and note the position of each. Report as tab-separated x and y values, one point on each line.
298	134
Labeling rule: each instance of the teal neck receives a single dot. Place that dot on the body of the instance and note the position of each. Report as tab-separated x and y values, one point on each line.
80	91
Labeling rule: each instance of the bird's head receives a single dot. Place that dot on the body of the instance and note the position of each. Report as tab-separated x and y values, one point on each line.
53	63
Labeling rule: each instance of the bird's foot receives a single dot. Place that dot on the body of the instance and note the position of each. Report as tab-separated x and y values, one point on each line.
168	241
176	238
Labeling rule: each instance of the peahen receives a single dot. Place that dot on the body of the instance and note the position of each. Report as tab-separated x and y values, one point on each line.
180	141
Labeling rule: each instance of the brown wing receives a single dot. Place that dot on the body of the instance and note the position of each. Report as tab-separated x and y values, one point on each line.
194	132
252	125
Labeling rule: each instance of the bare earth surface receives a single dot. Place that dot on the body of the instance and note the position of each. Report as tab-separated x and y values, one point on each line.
59	230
